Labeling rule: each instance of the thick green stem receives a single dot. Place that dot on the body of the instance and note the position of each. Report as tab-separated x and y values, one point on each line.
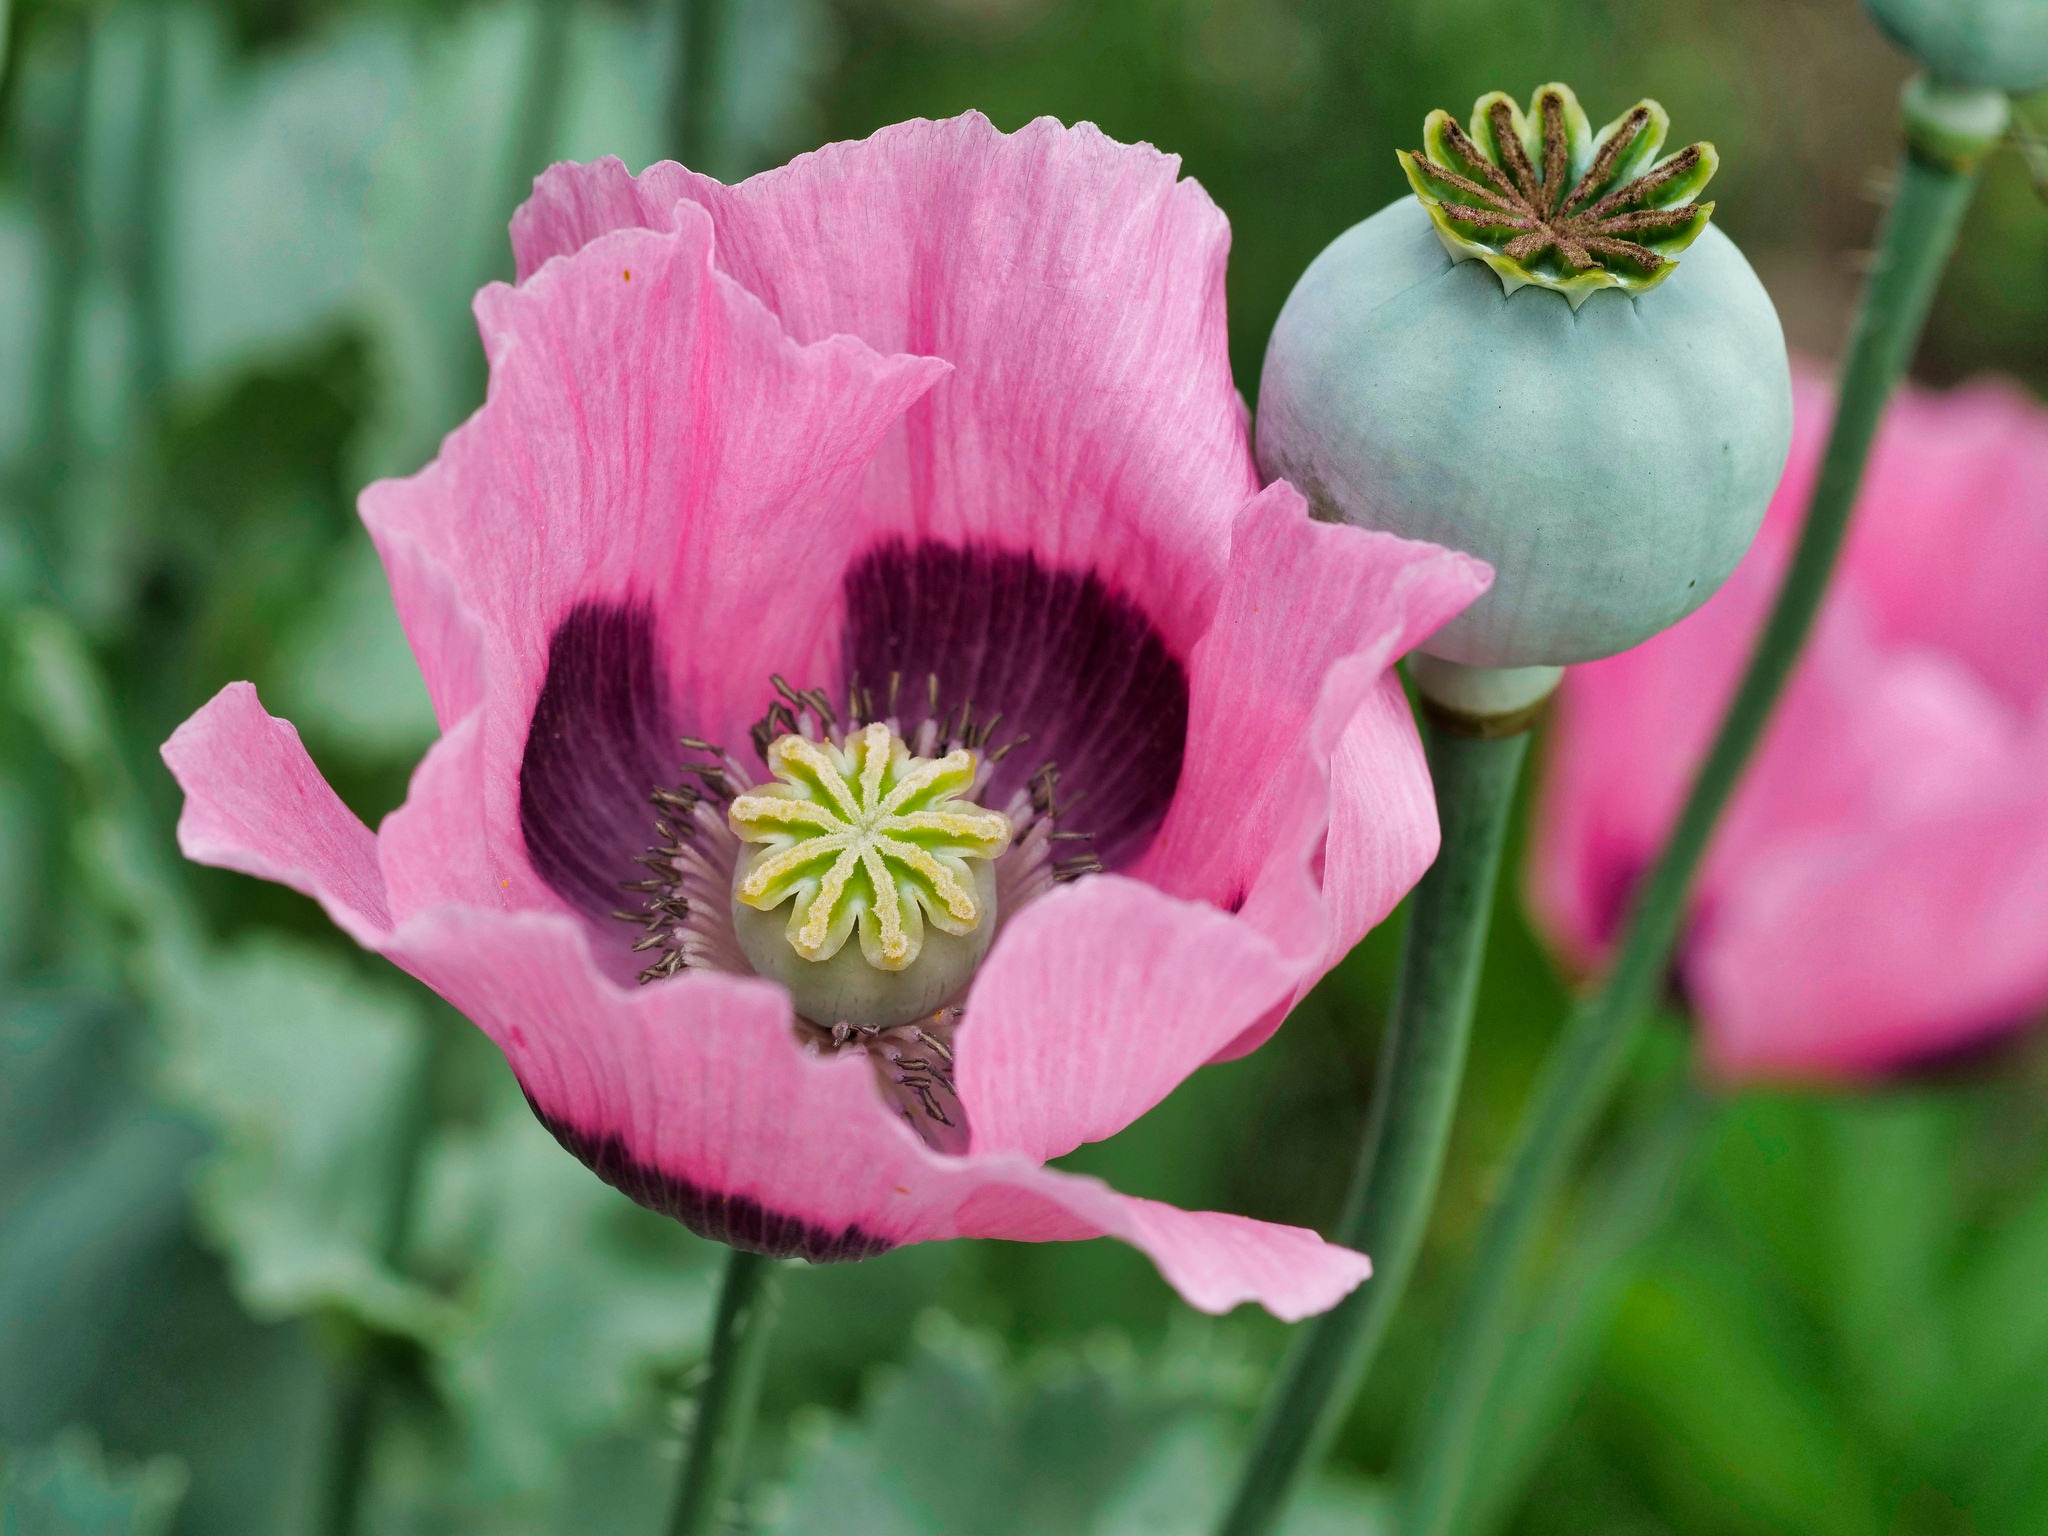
1422	1060
56	155
539	113
692	79
6	37
364	1362
747	1308
1934	190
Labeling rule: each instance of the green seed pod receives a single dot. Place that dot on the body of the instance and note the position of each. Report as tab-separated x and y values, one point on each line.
2002	44
1514	363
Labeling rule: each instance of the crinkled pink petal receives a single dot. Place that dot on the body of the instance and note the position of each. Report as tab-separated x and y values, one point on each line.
254	802
1953	477
439	845
1880	949
1078	292
1293	680
652	439
1094	1005
1215	1260
695	469
694	1096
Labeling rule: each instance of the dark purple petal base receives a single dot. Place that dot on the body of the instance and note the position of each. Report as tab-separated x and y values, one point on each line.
731	1219
1064	657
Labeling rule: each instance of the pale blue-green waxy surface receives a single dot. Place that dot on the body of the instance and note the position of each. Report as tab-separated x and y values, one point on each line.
847	989
1998	43
1612	463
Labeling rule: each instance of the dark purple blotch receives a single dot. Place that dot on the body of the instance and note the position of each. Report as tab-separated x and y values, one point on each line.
600	741
1062	655
736	1220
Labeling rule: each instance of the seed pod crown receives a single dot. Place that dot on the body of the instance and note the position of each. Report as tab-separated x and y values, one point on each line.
1545	201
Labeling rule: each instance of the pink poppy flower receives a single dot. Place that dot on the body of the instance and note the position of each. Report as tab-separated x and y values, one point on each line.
879	540
1878	893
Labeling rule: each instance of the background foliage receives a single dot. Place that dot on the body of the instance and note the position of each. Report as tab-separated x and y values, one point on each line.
237	242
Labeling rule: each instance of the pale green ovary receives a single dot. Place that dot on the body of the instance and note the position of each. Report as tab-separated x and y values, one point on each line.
867	837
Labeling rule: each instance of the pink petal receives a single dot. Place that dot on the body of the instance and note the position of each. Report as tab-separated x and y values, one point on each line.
1213	1259
1075	284
1951	538
1623	739
1878	950
254	802
695	1097
1096	1002
438	848
1299	753
652	439
1878	891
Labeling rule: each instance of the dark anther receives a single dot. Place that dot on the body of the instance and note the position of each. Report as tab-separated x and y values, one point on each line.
1065	871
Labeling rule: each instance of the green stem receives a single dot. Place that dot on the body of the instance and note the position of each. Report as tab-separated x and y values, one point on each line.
692	80
1415	1091
141	253
539	118
365	1361
1919	232
6	37
747	1308
56	156
1563	1327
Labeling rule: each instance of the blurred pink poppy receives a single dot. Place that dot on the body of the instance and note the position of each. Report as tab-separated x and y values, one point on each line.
935	431
1877	896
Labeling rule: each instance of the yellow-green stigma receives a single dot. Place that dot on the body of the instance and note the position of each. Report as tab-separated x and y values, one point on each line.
866	838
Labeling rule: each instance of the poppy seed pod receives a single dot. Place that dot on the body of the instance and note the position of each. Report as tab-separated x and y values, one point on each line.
2002	44
1514	363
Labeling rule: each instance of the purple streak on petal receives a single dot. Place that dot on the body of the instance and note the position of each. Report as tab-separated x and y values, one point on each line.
722	1217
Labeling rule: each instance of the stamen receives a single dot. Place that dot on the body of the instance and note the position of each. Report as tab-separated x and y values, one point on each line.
682	916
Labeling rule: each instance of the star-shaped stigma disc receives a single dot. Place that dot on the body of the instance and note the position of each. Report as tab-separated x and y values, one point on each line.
866	837
1543	200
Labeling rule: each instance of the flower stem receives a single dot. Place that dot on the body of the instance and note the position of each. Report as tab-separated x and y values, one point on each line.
747	1308
1935	184
1415	1091
692	78
364	1361
1562	1325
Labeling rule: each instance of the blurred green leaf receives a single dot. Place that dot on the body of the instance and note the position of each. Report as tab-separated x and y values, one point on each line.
68	1488
59	688
1897	1217
959	1442
1564	1324
271	180
307	1077
576	1304
22	265
347	677
79	1249
1740	1384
